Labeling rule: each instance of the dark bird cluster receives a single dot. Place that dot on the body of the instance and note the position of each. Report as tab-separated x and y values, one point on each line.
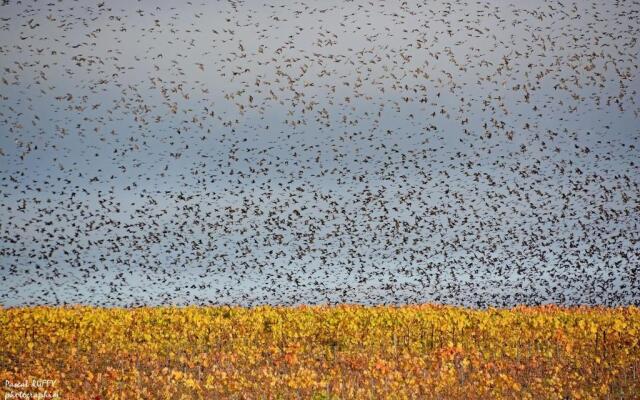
477	153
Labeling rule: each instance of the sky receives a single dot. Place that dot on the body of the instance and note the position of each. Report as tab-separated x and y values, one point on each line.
472	153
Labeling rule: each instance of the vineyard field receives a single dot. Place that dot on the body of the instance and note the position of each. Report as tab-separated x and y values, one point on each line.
322	352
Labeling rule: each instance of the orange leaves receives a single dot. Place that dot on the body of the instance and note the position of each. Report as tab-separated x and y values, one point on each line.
450	351
355	362
340	352
382	367
290	358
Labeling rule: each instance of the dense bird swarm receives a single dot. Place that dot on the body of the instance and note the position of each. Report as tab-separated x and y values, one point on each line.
477	153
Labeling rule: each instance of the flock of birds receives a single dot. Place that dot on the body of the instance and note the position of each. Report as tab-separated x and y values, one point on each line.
477	153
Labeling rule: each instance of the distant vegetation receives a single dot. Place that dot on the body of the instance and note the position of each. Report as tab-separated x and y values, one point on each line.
342	352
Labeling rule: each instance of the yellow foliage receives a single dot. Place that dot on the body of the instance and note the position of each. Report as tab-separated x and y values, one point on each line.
341	352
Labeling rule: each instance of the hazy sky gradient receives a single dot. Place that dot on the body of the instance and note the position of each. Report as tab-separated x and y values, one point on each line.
160	146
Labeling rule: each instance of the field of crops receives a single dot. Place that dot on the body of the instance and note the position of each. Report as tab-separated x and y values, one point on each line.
343	352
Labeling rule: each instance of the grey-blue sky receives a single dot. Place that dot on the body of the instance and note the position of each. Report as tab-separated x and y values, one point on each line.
454	152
